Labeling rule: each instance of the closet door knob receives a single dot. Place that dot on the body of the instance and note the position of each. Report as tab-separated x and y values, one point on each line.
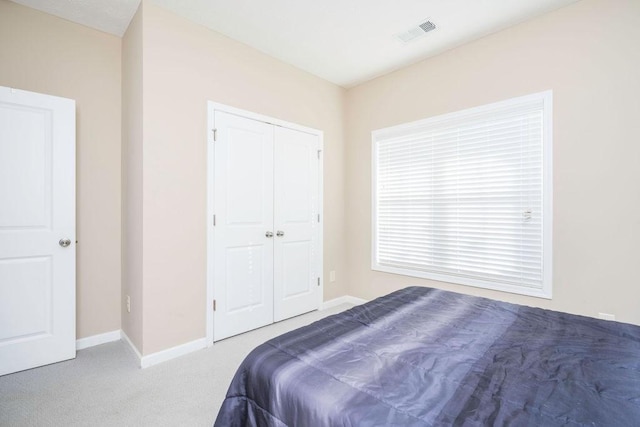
268	234
280	233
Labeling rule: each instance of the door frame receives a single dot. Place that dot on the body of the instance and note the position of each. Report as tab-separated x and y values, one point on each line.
212	107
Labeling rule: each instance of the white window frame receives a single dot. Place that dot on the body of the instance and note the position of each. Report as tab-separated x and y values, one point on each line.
545	291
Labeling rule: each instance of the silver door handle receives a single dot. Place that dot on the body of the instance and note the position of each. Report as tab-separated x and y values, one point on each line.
268	234
280	233
64	242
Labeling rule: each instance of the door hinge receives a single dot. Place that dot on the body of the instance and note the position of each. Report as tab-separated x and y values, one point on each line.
318	217
318	281
214	305
319	151
215	134
214	220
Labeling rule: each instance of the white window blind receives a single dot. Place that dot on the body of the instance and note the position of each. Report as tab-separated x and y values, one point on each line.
465	197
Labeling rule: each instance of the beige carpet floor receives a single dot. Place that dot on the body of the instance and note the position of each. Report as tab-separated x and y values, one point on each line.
104	387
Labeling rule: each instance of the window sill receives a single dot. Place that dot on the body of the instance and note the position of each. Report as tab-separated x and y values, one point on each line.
545	292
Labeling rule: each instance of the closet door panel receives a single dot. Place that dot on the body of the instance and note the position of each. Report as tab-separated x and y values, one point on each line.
296	207
243	200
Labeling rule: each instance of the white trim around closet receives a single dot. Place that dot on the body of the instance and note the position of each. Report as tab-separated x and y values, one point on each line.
211	108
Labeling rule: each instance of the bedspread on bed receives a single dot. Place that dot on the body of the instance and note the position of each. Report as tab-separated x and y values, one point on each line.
426	357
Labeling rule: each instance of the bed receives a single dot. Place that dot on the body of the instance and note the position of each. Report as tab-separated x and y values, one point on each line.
427	357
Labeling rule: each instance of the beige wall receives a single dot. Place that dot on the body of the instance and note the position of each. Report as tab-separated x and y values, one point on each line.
588	54
132	137
185	65
42	53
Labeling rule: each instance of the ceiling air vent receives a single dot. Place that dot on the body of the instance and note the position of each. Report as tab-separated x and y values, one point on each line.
416	32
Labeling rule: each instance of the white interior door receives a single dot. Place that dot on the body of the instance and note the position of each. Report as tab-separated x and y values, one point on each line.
296	206
243	247
37	230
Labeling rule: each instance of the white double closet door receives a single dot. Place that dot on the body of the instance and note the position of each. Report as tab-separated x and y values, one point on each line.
266	250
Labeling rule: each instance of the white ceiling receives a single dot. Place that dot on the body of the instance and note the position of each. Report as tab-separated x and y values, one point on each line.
345	42
110	16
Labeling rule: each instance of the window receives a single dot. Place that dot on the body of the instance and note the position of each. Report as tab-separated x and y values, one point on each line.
466	197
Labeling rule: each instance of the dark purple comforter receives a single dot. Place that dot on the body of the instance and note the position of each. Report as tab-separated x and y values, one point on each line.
426	357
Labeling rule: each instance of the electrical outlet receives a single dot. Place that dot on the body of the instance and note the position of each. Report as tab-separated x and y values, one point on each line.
606	316
128	304
332	276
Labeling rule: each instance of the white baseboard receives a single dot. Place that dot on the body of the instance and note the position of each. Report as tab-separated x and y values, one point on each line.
346	299
172	353
126	339
143	361
94	340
